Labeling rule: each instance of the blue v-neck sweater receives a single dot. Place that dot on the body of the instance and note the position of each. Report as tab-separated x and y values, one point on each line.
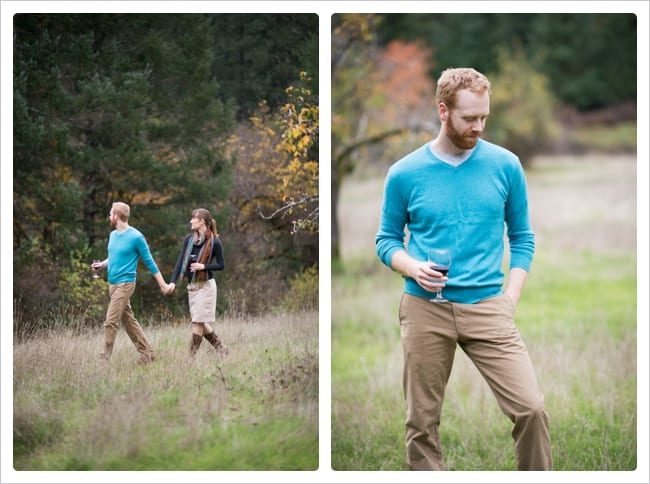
466	208
124	251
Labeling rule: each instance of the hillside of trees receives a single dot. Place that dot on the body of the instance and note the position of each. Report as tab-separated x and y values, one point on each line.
588	58
167	113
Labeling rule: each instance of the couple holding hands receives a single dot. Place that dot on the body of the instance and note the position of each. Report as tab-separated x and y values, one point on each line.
201	254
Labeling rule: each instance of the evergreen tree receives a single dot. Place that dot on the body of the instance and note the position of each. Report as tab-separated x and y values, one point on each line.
112	107
590	59
258	56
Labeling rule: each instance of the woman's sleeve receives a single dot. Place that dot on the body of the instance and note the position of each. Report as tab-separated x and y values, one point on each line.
217	255
179	262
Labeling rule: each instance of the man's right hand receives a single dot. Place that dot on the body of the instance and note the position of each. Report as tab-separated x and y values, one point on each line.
429	279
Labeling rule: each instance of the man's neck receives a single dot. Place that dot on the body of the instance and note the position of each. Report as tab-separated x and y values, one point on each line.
122	226
442	144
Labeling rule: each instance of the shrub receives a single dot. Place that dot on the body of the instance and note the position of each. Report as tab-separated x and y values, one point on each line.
522	107
303	291
80	292
35	282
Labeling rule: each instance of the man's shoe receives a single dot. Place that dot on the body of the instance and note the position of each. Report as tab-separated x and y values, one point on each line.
146	359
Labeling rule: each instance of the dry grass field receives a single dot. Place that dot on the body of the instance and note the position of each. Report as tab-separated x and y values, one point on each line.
256	409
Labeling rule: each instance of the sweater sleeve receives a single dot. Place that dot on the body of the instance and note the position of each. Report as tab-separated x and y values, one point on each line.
179	260
217	256
521	237
394	217
143	250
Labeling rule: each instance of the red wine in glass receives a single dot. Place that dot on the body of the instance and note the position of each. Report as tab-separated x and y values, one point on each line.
96	268
444	270
440	261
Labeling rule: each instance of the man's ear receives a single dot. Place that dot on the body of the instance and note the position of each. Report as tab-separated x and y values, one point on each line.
443	112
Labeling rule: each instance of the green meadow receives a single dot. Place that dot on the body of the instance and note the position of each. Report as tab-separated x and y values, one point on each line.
578	317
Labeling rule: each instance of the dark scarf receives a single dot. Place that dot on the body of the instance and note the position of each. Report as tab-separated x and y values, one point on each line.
205	254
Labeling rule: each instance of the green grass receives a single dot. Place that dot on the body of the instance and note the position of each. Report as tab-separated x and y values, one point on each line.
255	410
577	315
578	318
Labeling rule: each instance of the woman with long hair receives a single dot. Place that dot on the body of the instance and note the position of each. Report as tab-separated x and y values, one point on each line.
201	254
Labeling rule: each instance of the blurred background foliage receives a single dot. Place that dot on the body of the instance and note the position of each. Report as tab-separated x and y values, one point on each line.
561	83
167	113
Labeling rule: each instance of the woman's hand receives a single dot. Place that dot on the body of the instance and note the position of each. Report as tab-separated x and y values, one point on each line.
170	288
197	266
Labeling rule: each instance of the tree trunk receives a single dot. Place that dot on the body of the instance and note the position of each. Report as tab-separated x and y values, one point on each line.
336	188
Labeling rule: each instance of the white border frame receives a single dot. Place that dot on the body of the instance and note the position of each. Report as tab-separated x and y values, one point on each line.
325	9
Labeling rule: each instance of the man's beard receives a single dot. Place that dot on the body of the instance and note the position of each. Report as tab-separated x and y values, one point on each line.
460	140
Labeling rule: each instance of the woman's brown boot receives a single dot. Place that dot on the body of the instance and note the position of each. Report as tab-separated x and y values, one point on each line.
214	340
196	342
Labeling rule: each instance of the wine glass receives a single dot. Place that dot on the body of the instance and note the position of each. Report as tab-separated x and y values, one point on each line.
96	268
440	261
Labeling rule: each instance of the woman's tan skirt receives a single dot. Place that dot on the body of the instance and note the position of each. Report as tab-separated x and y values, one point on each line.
203	301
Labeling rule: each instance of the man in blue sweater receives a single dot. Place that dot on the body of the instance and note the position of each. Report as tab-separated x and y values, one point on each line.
461	193
126	245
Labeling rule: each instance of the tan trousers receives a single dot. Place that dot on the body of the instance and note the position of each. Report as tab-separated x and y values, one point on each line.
487	334
119	310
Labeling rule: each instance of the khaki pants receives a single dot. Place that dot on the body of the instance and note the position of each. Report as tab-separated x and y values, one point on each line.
487	334
119	310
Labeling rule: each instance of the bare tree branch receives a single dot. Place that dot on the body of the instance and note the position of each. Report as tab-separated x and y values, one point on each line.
310	220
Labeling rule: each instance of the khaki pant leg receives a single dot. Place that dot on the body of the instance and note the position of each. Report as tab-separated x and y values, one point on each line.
488	335
132	326
118	301
429	341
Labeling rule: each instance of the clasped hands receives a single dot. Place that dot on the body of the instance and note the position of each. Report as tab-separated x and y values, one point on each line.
168	289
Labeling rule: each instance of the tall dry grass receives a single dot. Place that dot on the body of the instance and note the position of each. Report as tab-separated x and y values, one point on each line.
256	409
